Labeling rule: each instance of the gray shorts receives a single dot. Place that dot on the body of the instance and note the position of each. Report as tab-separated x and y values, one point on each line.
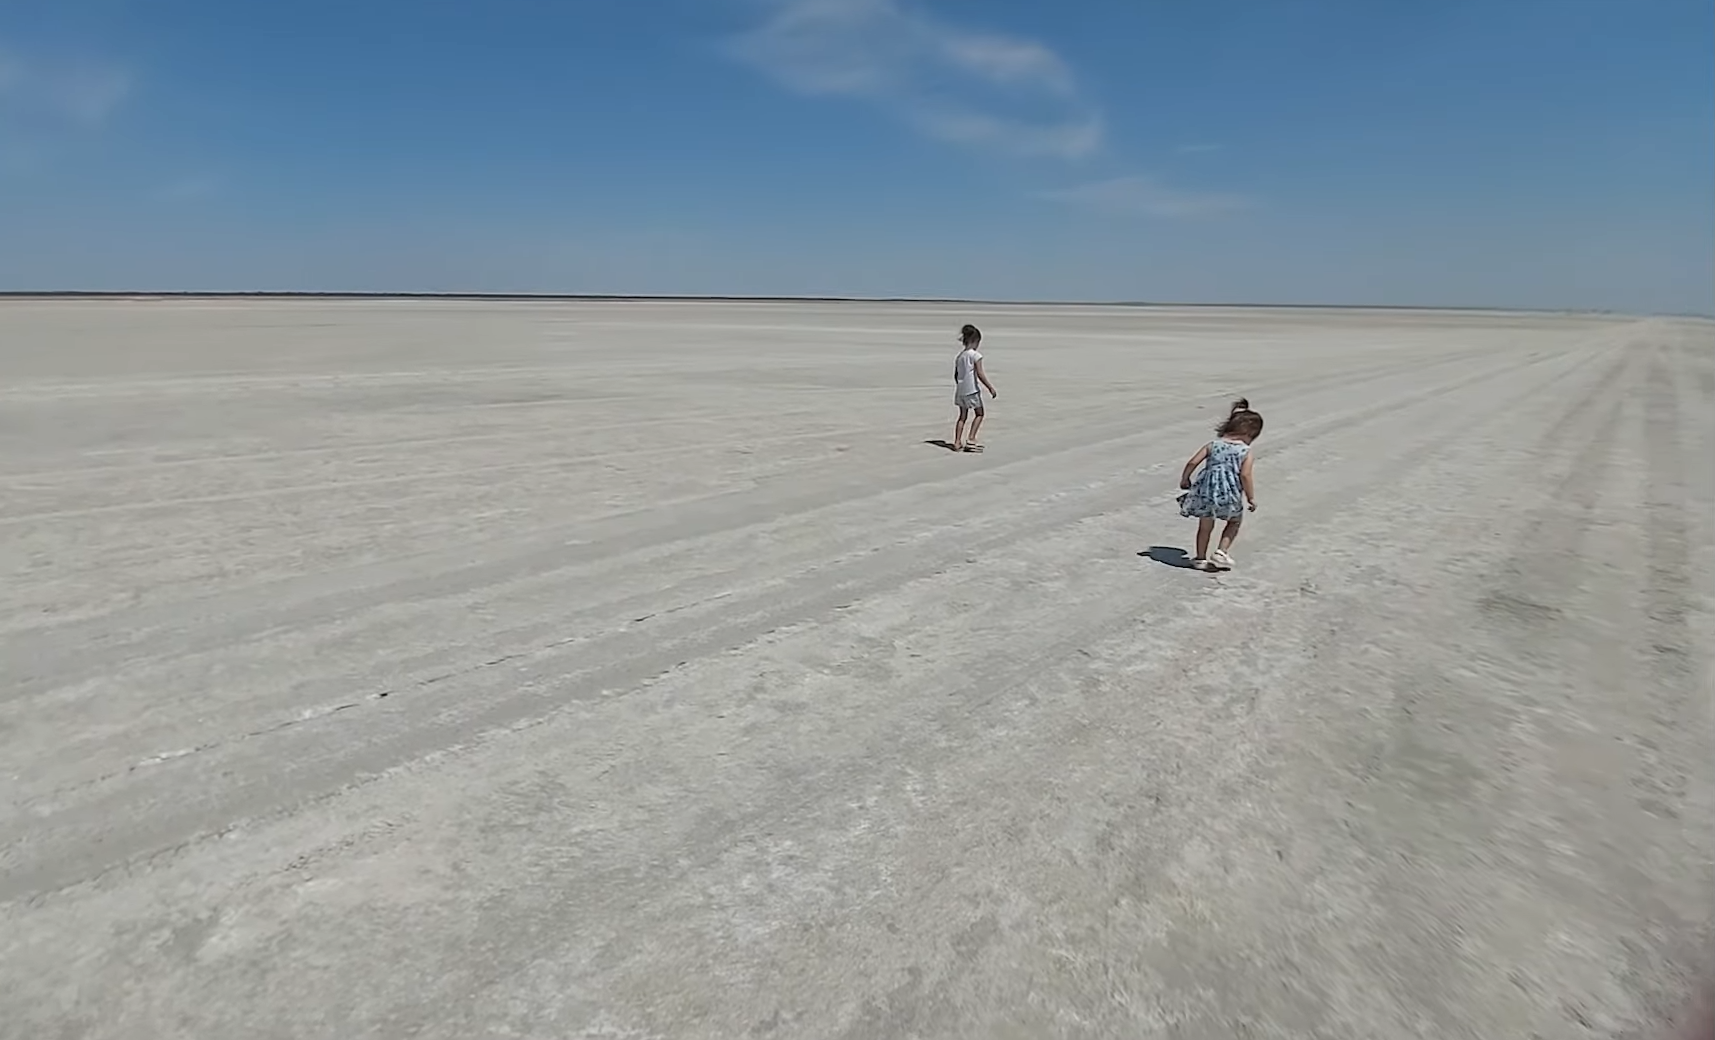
969	402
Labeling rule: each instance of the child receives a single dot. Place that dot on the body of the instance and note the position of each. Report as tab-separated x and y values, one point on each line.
1216	493
967	373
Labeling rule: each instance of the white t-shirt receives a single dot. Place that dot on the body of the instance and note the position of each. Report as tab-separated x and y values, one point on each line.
965	370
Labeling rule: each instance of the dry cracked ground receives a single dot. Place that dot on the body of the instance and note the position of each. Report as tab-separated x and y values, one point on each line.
438	669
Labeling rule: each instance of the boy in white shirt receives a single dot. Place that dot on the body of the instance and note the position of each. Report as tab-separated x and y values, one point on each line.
967	374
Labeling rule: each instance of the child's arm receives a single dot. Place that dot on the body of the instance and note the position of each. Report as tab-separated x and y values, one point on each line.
982	377
1191	467
1248	482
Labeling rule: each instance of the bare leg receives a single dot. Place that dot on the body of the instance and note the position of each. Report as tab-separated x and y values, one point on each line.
959	431
1205	528
976	424
1229	534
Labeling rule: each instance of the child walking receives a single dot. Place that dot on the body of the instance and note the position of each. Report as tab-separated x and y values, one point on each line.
967	373
1223	487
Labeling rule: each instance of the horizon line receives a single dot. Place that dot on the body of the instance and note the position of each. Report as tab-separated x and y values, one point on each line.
146	294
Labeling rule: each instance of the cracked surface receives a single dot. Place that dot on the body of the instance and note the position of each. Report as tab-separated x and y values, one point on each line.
455	669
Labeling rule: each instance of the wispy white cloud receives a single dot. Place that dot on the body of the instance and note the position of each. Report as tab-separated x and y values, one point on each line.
953	84
1021	136
1003	60
1145	196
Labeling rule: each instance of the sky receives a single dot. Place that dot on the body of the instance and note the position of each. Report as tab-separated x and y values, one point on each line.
1493	153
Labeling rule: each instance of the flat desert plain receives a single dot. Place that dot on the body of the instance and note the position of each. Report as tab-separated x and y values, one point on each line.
460	669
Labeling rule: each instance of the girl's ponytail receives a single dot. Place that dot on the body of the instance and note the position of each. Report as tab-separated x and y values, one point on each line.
1241	420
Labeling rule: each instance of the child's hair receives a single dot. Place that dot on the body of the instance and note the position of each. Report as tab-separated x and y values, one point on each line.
970	334
1242	421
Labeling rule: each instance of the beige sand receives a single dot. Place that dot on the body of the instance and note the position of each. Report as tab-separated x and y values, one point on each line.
627	670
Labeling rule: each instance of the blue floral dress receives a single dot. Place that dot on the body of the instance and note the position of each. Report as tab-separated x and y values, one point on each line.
1215	488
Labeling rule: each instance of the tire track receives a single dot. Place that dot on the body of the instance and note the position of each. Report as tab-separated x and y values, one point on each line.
1670	662
1537	581
1619	709
1668	589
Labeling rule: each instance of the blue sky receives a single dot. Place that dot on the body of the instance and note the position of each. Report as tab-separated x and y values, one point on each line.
1541	153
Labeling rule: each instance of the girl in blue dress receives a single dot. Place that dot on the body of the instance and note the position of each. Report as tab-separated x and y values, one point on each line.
1222	488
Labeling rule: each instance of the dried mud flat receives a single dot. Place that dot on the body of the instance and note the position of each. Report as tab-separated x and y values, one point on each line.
629	670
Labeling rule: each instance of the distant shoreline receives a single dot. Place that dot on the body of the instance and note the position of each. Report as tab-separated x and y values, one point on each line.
145	295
